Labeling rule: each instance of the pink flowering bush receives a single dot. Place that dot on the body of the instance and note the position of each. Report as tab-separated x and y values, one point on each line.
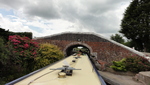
23	55
24	50
17	57
137	64
24	46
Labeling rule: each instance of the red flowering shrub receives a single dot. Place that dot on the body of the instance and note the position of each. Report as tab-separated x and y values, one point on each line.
24	46
132	63
23	53
17	57
137	64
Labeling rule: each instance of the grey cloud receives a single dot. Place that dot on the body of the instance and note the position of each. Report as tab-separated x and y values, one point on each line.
15	4
100	24
43	8
101	6
93	15
90	14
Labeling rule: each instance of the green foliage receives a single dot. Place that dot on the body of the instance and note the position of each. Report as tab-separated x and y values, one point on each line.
5	63
132	63
129	43
24	51
22	34
48	54
119	65
17	57
118	38
21	55
3	53
137	64
24	46
81	49
5	34
135	24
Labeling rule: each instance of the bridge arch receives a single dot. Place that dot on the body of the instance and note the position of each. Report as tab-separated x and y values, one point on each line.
69	47
100	47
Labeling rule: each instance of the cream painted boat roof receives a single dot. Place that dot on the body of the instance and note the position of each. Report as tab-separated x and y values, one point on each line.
85	76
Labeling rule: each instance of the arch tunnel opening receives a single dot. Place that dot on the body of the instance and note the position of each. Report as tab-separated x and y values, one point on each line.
76	48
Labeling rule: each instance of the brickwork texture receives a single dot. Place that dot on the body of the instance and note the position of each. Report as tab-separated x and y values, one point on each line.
102	48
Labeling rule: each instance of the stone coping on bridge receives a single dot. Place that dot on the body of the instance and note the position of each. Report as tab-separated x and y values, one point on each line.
143	77
116	79
98	35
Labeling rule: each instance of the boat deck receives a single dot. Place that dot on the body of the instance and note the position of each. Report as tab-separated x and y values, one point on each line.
85	76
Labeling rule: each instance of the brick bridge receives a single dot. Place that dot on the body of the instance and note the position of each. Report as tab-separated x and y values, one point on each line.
104	49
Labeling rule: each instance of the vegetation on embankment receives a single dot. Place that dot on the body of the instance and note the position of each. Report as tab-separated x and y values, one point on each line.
21	55
133	64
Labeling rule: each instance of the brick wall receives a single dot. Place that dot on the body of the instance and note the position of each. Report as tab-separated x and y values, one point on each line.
102	48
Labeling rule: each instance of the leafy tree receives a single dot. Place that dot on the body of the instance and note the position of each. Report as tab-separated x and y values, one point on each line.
136	24
118	38
129	43
47	54
4	34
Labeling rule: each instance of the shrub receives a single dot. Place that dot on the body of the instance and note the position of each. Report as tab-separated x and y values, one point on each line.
119	65
48	54
21	55
132	63
3	61
137	64
17	58
24	46
3	53
26	50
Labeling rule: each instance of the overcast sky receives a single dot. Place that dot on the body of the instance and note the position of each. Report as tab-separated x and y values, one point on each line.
47	17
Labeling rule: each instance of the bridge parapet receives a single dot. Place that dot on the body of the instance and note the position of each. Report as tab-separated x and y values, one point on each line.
104	49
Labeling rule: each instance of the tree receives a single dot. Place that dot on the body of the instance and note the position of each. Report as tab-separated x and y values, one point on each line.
129	43
117	38
136	24
4	34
